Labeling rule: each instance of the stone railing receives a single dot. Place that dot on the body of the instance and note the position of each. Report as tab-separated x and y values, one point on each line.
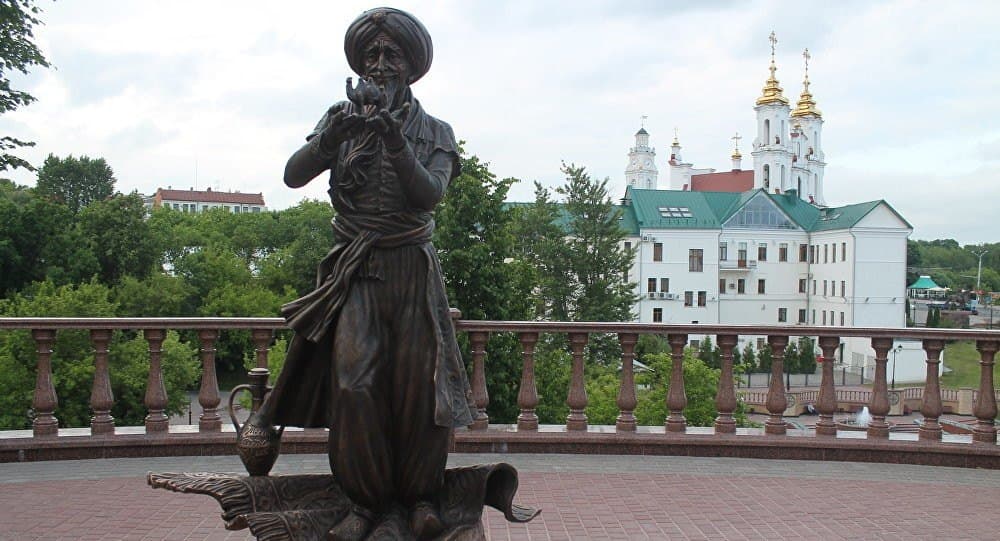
576	435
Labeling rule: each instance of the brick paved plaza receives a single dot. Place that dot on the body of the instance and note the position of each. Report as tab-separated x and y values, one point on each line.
582	496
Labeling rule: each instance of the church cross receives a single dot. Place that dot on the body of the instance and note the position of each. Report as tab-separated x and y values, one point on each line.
774	41
736	140
807	56
642	121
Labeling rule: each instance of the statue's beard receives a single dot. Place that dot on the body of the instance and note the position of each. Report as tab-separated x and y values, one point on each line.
392	90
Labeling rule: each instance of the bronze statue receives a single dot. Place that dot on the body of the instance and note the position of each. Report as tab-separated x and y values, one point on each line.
374	356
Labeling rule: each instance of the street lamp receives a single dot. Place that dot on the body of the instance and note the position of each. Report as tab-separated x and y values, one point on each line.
895	350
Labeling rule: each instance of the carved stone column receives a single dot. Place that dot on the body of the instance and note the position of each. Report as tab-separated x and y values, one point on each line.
676	397
101	396
479	392
156	394
931	404
626	390
777	402
527	396
826	402
879	406
986	403
45	401
577	398
725	398
261	343
208	395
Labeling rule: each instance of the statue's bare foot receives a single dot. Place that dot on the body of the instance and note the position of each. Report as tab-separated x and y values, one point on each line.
353	527
425	521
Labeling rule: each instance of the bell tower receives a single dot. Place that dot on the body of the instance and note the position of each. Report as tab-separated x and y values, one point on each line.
808	161
772	156
641	170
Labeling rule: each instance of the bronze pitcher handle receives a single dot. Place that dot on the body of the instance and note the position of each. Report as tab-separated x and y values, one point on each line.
229	408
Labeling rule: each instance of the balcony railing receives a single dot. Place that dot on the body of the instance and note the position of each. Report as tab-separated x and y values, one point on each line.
527	435
737	264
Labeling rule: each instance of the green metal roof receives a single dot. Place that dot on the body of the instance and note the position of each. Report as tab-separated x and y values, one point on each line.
924	282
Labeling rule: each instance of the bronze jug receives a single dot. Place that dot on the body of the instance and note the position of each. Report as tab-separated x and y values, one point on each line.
257	444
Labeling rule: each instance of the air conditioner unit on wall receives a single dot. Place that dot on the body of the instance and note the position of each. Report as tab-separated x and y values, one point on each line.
663	295
652	295
671	296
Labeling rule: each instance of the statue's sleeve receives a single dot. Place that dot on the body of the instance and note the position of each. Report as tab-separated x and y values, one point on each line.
313	158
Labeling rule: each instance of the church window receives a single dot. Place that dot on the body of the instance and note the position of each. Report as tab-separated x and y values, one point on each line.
657	251
760	213
657	315
696	257
767	131
675	212
767	176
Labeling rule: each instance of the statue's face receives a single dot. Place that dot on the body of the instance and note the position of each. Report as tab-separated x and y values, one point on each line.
385	62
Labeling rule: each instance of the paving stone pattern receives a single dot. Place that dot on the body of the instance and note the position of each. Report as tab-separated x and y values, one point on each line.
582	496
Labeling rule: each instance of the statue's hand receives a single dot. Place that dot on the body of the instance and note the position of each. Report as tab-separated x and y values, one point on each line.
389	126
340	126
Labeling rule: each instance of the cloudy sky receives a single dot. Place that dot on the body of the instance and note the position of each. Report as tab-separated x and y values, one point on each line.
218	94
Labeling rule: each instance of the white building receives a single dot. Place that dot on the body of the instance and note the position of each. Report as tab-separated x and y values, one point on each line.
192	200
760	246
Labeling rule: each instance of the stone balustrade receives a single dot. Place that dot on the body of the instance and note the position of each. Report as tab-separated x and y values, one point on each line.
576	435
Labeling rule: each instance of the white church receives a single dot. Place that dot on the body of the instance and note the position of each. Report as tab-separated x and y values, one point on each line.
762	246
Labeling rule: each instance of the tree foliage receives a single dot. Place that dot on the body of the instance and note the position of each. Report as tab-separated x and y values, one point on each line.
75	182
18	52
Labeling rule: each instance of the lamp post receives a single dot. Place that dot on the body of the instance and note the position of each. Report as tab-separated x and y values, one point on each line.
895	350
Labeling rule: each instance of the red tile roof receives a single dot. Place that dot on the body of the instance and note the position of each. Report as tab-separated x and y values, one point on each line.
729	181
209	196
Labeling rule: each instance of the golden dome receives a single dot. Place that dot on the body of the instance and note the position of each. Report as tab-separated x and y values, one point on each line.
806	105
736	154
771	94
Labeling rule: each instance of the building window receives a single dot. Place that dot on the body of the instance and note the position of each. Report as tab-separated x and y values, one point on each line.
664	284
841	319
651	285
675	212
803	250
657	251
802	285
657	315
802	315
814	316
628	245
782	315
843	288
741	255
826	254
723	251
843	251
722	285
689	298
832	313
824	316
702	298
761	343
762	252
814	287
177	206
696	260
256	209
783	252
824	288
812	254
833	253
204	208
236	209
760	286
741	286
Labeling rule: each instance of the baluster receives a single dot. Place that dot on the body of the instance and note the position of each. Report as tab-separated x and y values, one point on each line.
261	343
479	392
676	397
577	398
101	396
930	407
879	406
986	403
777	402
725	398
156	394
826	402
45	401
527	397
208	395
626	392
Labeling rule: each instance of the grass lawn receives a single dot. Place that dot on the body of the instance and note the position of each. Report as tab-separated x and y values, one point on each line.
963	360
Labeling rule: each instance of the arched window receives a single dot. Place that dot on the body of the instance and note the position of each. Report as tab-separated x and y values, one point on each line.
767	176
767	131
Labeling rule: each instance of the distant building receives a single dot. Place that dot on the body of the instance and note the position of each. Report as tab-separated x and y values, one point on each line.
192	200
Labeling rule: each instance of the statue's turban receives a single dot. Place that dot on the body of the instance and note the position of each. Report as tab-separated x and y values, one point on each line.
405	29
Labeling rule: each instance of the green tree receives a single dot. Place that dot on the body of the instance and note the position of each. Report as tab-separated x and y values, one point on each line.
700	386
18	52
158	295
542	246
119	237
75	182
709	353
